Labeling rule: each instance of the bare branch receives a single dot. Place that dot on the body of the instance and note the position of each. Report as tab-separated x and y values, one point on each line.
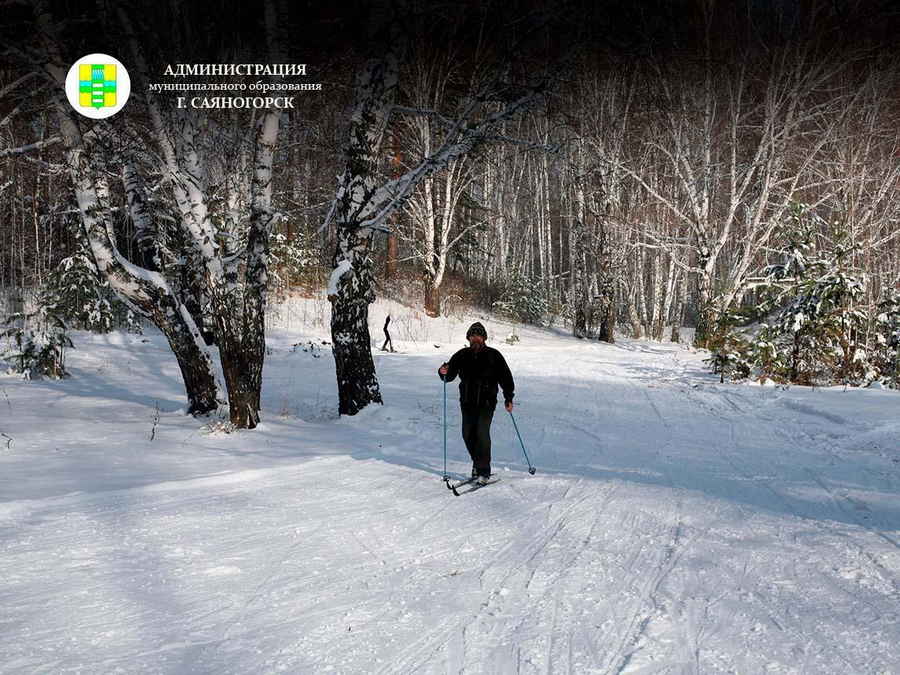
38	145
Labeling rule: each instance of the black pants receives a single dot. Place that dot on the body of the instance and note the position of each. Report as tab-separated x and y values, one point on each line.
476	432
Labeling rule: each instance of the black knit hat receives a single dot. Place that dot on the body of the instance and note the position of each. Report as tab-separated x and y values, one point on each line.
476	329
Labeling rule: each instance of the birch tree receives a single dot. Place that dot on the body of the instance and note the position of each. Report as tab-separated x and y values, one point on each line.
145	291
434	206
735	157
365	202
238	310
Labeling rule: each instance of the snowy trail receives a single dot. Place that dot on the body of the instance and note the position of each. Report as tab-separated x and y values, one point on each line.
675	525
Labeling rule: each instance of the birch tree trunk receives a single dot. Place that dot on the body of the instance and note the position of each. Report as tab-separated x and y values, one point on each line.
146	291
351	288
666	313
238	311
363	208
244	348
607	283
678	318
578	294
656	298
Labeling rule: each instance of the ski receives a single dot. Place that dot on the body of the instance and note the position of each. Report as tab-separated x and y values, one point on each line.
472	486
451	485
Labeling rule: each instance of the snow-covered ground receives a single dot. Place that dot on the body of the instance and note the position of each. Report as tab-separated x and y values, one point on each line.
675	525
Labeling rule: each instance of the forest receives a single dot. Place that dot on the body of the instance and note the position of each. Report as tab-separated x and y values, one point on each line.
724	173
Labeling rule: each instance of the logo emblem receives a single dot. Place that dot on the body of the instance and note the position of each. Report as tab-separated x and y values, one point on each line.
98	86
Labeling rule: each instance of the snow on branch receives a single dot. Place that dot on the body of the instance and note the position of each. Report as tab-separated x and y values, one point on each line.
22	149
464	137
342	268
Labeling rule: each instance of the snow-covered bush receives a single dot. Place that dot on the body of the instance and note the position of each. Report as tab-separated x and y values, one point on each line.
885	355
452	305
820	327
290	259
523	299
813	319
75	294
731	354
35	345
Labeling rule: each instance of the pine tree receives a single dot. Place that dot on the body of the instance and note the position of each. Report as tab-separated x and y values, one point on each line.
289	259
36	345
77	295
523	300
74	296
886	352
815	297
732	355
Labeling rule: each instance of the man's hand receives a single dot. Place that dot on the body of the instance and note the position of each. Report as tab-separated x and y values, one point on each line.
443	369
509	406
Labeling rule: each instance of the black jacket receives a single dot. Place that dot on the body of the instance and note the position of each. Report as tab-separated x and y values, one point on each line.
480	373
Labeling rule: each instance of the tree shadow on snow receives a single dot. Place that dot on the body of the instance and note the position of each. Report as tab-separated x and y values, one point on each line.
671	435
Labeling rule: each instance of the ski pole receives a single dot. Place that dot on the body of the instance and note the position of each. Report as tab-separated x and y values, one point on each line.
446	477
531	469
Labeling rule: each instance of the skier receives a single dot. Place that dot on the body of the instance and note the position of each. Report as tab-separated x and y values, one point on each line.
387	336
481	369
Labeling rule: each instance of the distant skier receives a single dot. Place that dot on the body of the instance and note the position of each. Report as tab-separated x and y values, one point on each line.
481	369
387	336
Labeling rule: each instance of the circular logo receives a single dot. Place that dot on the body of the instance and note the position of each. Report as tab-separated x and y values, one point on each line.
98	86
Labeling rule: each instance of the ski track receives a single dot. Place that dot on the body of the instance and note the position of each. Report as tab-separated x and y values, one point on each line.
730	454
726	414
669	547
675	525
840	502
781	622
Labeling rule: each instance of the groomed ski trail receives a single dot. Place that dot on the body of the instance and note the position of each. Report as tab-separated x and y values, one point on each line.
675	525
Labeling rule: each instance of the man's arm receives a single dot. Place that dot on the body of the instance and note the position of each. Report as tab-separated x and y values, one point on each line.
452	369
505	378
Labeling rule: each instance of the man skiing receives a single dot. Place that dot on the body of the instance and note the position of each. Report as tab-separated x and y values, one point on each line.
481	369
